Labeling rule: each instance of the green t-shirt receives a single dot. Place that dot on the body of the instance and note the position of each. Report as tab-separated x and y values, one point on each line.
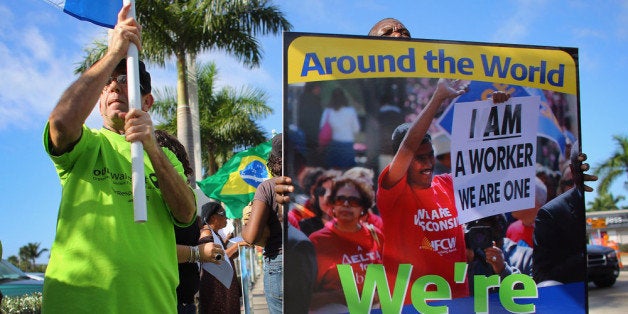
101	260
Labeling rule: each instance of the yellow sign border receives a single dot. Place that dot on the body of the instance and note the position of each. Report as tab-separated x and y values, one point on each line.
316	57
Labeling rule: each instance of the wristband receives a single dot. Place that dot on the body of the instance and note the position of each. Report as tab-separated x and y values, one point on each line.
194	254
197	255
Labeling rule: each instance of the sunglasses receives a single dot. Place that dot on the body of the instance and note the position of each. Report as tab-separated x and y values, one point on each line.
121	79
351	200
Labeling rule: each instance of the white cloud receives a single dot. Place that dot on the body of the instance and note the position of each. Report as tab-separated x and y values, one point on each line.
35	43
517	20
232	73
9	114
32	84
37	65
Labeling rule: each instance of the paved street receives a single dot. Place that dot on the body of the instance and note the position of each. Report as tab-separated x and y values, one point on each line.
258	302
613	300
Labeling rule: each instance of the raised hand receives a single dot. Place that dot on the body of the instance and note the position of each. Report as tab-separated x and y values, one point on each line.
126	31
447	88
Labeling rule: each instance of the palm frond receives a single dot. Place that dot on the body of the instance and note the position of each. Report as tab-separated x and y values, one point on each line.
615	166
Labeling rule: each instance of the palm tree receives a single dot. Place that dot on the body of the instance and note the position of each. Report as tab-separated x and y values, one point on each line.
227	117
30	252
605	201
14	260
615	166
179	28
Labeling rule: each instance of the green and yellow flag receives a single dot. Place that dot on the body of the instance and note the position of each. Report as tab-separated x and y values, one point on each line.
235	182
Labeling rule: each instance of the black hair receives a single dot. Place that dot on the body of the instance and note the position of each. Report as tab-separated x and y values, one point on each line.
165	139
318	190
400	132
338	99
274	164
209	209
311	174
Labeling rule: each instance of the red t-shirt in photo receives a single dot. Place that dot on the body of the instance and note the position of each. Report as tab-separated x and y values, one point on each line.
375	220
517	231
425	231
333	247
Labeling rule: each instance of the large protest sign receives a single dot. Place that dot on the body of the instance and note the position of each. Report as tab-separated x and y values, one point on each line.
437	251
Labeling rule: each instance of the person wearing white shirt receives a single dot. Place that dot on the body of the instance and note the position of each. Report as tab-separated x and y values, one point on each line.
345	125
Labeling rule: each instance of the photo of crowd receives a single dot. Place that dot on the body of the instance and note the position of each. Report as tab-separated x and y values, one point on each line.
363	210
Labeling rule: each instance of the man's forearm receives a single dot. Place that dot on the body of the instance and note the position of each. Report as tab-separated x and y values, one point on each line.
77	103
175	191
420	126
411	142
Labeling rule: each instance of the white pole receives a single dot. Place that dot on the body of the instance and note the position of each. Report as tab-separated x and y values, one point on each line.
137	150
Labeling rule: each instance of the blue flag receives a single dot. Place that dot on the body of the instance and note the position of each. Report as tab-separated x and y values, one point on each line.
100	12
478	91
549	127
548	124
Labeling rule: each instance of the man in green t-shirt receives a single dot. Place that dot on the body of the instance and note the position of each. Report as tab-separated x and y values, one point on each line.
101	260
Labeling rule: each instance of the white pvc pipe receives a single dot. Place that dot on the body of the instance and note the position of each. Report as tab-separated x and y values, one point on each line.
137	150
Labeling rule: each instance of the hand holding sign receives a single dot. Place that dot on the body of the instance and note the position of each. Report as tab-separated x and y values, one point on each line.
581	167
500	97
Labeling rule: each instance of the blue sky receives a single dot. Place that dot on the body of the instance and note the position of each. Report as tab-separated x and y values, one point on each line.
40	45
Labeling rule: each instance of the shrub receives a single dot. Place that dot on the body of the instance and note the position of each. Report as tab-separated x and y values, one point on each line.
26	304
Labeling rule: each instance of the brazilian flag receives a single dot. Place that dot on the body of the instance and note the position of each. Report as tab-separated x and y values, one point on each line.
235	182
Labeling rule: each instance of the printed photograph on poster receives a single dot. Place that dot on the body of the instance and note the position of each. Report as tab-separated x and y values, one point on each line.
420	170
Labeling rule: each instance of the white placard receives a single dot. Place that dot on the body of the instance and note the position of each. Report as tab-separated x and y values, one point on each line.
493	156
223	270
